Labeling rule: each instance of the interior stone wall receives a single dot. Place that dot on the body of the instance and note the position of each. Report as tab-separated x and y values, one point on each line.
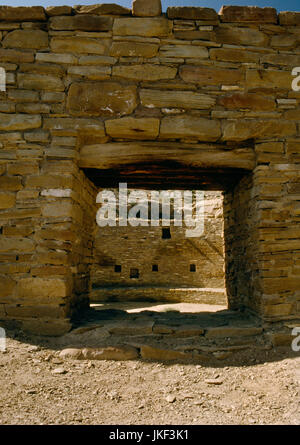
108	88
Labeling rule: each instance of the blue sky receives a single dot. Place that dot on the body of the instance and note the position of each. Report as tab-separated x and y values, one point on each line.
280	5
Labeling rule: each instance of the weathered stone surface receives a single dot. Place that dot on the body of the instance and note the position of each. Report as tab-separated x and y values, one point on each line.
247	101
144	27
90	72
22	14
40	82
232	331
253	129
248	14
53	11
176	99
79	45
18	245
56	58
210	76
268	79
15	56
241	36
26	38
10	122
183	51
42	288
81	23
289	18
7	285
191	13
109	353
61	124
144	72
44	326
102	9
10	183
133	49
130	128
190	126
7	200
106	99
234	55
146	8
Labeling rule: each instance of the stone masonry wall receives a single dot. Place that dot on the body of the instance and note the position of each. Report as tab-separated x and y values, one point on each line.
103	86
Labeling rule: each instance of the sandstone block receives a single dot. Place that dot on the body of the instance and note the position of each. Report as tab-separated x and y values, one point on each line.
183	51
234	55
22	14
109	353
289	18
130	128
7	200
39	289
26	39
102	9
40	82
133	49
247	101
7	285
145	72
53	11
176	99
192	13
227	331
56	58
79	45
81	23
144	27
90	72
10	122
255	14
190	127
15	56
210	76
46	326
10	183
277	310
23	95
146	8
18	245
101	98
241	36
268	79
253	129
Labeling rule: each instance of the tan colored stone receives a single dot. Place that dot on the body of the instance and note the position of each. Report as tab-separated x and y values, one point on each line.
6	285
103	9
40	82
10	122
247	101
81	23
289	18
26	39
190	127
44	326
39	289
234	55
22	14
194	35
176	99
15	56
131	128
33	108
192	13
76	125
277	310
42	68
19	95
286	41
253	129
183	51
101	99
9	244
281	59
255	14
90	72
56	58
268	80
144	27
210	76
79	45
10	183
97	60
53	11
232	331
241	36
144	72
7	200
133	49
146	8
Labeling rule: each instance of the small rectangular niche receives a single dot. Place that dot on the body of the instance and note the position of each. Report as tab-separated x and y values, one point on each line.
166	233
154	267
134	273
118	268
192	267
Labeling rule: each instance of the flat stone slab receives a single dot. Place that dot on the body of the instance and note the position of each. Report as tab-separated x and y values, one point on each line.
109	353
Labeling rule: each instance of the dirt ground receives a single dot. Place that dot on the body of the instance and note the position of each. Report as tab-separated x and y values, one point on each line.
38	387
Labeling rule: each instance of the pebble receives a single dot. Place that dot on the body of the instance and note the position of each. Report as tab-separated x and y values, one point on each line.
170	399
59	371
216	381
